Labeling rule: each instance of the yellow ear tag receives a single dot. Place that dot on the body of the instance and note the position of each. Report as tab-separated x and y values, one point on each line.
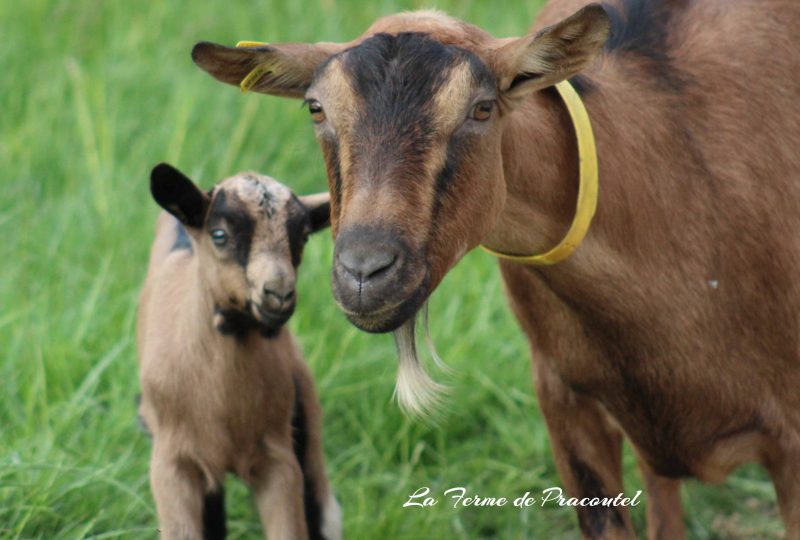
252	78
251	44
262	69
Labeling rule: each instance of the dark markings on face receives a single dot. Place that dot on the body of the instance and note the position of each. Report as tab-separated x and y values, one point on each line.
266	200
228	212
481	74
239	323
459	143
642	27
397	78
214	527
182	240
297	229
330	149
456	148
300	438
593	520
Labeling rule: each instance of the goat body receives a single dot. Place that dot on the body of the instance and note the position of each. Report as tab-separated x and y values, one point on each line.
218	402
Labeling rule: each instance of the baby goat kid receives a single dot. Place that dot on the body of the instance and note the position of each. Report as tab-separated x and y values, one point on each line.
224	385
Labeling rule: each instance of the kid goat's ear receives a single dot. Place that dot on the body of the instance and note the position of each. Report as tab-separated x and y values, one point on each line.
178	195
319	209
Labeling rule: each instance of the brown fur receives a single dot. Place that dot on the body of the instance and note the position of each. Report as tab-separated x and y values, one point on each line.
218	403
677	321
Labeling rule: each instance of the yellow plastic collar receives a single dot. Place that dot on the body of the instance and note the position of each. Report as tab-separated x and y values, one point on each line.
587	192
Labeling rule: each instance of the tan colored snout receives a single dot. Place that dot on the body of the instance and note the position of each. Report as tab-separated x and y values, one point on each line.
272	280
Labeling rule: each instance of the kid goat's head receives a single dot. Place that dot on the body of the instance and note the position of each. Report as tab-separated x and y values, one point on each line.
248	234
409	117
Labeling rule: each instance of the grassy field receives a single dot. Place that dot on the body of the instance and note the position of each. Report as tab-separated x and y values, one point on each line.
92	96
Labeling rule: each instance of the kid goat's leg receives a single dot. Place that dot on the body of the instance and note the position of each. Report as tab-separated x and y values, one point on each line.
323	515
278	490
178	491
588	455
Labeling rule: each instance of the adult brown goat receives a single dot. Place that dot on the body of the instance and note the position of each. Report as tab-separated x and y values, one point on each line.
677	322
224	384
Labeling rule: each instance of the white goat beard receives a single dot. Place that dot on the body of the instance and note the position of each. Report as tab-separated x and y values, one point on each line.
429	343
417	394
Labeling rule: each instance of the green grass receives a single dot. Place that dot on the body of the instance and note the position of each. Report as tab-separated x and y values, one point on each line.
92	96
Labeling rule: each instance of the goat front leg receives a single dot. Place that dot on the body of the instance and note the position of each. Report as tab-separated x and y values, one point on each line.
322	511
588	455
785	472
278	490
664	510
177	487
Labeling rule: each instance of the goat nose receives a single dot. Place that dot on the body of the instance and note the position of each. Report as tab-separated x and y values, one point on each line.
363	264
278	297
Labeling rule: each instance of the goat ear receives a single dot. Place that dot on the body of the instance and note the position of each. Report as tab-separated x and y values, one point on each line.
282	69
558	52
178	195
319	209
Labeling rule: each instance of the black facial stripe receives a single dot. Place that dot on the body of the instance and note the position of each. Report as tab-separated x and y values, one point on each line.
398	74
182	240
397	79
443	181
296	229
481	74
456	148
330	150
240	223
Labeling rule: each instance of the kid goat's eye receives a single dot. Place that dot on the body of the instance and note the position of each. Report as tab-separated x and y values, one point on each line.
317	114
219	237
482	111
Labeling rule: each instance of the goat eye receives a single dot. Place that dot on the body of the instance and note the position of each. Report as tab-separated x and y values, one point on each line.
482	111
219	237
317	114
